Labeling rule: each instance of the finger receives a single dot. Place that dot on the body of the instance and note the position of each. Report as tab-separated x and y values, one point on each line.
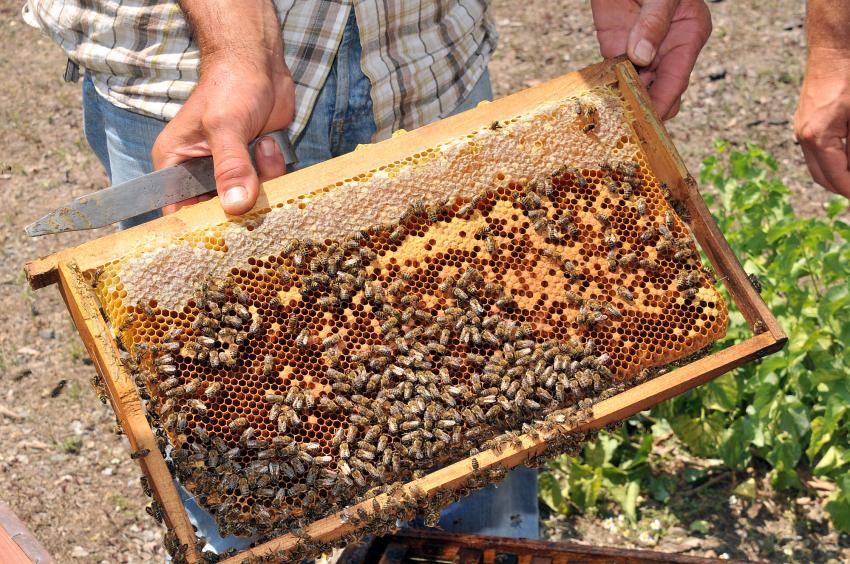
269	159
671	113
171	208
647	77
814	167
182	138
649	30
235	179
672	77
832	158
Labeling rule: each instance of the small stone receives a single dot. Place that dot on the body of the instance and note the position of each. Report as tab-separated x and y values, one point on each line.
47	334
791	25
716	73
655	525
79	552
108	471
21	373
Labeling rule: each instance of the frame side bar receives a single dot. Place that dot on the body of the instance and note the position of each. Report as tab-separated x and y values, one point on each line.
125	400
653	133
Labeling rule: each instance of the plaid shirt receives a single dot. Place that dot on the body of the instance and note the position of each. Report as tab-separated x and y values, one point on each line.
422	56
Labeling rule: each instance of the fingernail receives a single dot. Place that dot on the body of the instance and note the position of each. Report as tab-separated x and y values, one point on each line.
644	52
267	146
234	195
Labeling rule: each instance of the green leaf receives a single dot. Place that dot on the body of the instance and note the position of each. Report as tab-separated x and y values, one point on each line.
835	299
585	484
692	474
722	394
793	417
838	505
832	460
626	495
783	457
735	444
660	487
836	206
599	452
824	426
550	492
747	489
701	434
700	526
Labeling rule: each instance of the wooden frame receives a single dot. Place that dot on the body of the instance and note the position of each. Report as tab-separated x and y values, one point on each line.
66	268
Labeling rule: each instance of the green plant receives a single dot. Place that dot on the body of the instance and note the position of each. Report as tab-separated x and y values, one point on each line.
70	445
790	409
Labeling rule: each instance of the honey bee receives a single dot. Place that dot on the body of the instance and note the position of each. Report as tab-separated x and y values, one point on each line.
198	406
141	453
664	246
182	422
647	234
127	323
228	357
146	308
625	293
238	424
683	254
303	339
397	234
665	232
573	298
755	281
331	341
531	201
669	222
541	224
648	264
577	175
641	207
612	311
613	262
611	238
627	259
268	365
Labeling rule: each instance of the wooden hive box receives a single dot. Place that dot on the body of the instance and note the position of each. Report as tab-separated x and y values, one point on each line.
413	545
523	266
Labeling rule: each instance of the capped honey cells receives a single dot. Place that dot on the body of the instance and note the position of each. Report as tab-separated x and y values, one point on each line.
298	359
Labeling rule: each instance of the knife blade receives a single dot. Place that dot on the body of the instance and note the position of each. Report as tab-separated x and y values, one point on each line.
143	194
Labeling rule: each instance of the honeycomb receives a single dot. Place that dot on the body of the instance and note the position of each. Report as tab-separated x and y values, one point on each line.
298	358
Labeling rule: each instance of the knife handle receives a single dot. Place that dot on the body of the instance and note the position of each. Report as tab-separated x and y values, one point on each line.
282	139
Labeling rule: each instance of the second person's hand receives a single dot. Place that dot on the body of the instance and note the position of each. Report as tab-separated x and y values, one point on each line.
662	37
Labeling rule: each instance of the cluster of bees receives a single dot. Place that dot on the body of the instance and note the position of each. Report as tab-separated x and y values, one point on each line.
444	382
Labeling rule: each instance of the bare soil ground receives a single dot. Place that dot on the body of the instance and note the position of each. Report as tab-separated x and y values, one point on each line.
68	475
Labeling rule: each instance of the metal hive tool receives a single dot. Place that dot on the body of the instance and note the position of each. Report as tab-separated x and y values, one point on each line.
481	295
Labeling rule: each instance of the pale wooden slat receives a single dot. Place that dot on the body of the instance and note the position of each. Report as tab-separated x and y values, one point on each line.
124	399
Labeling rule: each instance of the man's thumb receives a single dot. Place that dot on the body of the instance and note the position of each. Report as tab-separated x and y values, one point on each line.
235	179
649	30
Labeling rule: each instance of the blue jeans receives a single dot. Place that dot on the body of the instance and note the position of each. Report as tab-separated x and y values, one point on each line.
341	119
